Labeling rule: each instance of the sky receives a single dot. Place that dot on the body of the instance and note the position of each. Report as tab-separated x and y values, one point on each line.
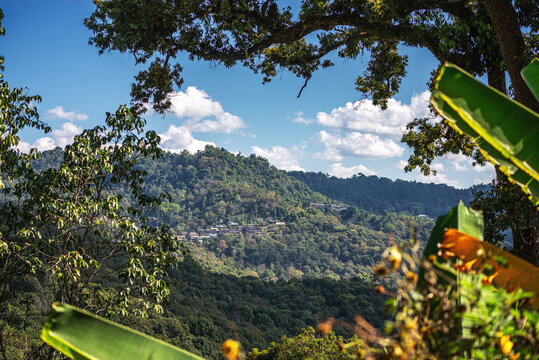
331	128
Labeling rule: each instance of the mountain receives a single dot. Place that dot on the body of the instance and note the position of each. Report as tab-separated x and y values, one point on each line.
242	216
239	215
378	194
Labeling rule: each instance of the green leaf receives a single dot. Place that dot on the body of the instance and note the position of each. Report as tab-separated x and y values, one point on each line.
81	335
530	74
505	131
465	220
462	218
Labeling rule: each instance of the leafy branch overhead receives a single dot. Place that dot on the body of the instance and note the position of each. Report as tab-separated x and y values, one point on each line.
266	38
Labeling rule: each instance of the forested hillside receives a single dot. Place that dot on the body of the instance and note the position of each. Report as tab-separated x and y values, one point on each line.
206	308
378	194
242	216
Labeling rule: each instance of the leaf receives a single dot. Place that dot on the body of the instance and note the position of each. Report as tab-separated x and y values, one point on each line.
464	219
81	336
516	273
460	217
505	131
530	74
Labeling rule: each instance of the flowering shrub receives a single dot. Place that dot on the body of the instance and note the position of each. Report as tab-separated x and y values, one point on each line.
457	312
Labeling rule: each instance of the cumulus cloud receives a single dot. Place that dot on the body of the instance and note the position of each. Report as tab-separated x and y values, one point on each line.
64	136
300	118
60	138
481	181
59	113
401	164
366	117
202	113
357	145
179	138
281	157
341	171
438	167
458	166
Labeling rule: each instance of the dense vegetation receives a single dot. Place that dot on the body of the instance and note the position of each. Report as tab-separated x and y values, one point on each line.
216	188
378	194
207	308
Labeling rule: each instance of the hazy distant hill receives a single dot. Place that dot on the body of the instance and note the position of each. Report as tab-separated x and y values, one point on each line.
377	194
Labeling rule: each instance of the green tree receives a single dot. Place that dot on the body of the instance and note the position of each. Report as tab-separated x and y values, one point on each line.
483	37
64	224
309	346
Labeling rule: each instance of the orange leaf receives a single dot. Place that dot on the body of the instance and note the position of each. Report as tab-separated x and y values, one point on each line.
474	253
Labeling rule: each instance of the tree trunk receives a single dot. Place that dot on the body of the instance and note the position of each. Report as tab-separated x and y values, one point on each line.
511	42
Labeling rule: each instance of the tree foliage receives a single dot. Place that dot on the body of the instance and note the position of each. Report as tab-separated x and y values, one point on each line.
65	226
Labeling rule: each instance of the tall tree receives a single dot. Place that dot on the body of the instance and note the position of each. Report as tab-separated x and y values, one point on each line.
483	37
65	226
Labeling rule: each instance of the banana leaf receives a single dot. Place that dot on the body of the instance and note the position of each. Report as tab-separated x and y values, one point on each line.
467	221
512	273
530	74
506	132
460	217
81	336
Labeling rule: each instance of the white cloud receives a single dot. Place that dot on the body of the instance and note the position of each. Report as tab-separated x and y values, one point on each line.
60	137
341	171
486	168
281	157
300	118
401	164
438	167
458	166
179	138
366	117
479	181
59	113
357	145
45	143
203	114
24	146
64	136
438	179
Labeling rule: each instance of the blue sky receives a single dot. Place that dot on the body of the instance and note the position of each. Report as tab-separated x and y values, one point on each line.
327	129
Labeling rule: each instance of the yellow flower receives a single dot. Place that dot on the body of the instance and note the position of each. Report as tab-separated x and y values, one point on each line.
487	280
325	327
506	344
397	351
411	277
395	258
380	270
231	349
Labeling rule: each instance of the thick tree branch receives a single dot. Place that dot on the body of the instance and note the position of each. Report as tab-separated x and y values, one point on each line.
512	47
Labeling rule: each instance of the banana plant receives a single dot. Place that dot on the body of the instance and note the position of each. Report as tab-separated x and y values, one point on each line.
506	132
82	336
